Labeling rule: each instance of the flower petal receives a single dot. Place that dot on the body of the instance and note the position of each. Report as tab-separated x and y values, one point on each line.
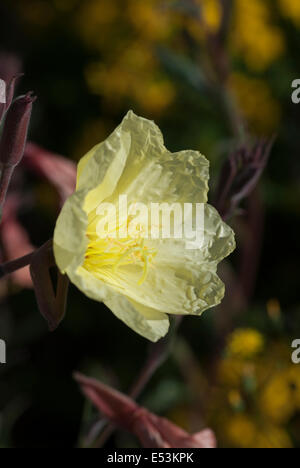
135	160
70	241
154	174
149	323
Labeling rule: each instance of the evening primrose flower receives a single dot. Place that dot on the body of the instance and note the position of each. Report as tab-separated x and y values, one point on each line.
290	9
142	280
245	343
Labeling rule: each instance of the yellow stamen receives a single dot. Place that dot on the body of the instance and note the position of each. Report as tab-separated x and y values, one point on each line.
114	252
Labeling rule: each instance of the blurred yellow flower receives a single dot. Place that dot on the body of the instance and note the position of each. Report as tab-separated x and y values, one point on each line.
291	9
117	82
276	400
155	96
141	279
254	36
94	16
127	67
211	13
255	99
256	398
241	431
231	371
272	437
293	378
245	343
150	19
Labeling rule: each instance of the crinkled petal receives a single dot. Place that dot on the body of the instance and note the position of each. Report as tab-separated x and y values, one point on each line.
168	289
70	241
214	241
154	174
102	167
135	160
149	323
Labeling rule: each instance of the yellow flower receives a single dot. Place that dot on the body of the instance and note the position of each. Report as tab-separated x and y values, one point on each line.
245	343
212	13
231	371
291	9
245	432
261	42
149	19
263	112
276	400
241	431
140	279
272	437
293	377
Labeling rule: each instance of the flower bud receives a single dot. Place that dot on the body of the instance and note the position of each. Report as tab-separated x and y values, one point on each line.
9	73
151	430
240	175
13	139
10	89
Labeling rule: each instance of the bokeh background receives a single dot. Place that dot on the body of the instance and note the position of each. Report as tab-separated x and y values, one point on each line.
89	61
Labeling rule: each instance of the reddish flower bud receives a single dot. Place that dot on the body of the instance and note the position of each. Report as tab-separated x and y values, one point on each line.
13	139
240	174
151	430
9	73
10	89
15	130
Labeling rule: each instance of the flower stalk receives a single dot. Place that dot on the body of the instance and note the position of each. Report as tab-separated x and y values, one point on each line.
15	265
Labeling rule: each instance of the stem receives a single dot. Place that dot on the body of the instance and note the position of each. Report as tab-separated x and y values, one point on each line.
14	265
227	6
5	178
253	245
221	66
235	119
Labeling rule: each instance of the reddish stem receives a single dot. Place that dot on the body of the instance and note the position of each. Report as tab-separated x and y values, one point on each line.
10	267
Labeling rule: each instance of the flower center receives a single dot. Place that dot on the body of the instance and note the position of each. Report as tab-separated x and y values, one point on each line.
111	251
